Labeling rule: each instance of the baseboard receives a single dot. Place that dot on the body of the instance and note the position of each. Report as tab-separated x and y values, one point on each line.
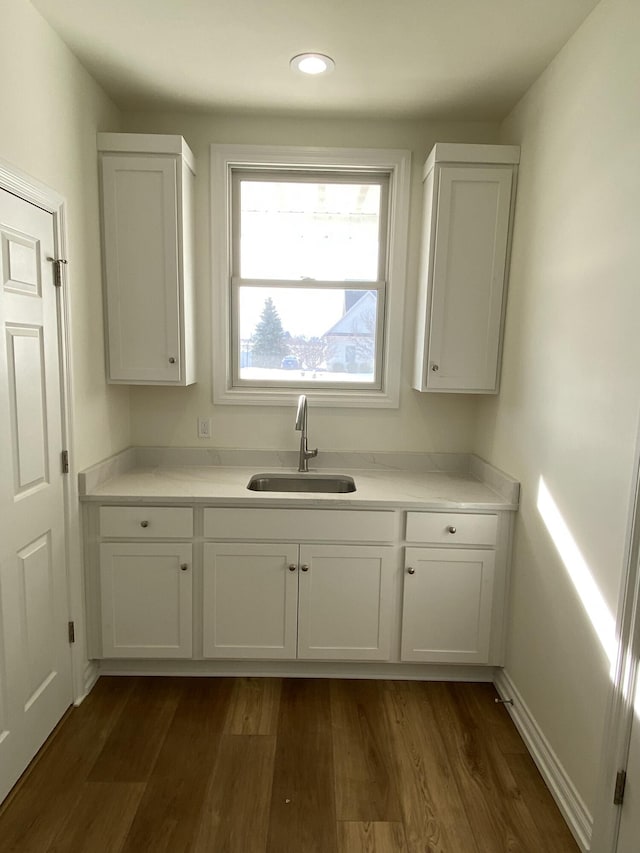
90	675
298	669
573	808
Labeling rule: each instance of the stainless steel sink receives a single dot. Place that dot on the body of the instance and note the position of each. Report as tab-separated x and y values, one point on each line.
302	482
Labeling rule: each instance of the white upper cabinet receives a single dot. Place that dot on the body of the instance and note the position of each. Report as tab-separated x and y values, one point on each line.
469	193
147	232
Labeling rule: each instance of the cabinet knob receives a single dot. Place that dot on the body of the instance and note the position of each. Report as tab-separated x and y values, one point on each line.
435	367
144	523
292	567
411	570
304	567
451	529
184	567
172	360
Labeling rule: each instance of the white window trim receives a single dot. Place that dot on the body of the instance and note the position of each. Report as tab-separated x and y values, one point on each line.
395	161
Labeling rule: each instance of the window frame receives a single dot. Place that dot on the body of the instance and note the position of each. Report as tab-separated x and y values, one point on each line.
229	159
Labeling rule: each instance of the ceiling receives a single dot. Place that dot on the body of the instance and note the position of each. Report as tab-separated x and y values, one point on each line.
456	59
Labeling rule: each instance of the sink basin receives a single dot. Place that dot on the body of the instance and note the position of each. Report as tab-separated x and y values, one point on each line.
293	482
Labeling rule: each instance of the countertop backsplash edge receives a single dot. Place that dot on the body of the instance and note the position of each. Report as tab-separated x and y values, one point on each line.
149	458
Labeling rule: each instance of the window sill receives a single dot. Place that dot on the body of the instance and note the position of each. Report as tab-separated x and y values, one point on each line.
331	398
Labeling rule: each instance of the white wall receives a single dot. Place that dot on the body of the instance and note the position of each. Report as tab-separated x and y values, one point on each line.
570	398
165	416
50	110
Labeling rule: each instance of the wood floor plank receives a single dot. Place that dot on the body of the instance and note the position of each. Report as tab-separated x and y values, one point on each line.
100	819
169	813
133	745
434	815
41	805
368	837
545	813
498	727
492	799
493	717
363	763
253	709
305	706
302	815
235	814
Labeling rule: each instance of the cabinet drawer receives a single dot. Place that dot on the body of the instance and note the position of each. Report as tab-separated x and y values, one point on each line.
451	528
146	522
300	524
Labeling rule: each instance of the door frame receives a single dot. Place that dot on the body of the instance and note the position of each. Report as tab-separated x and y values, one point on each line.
620	712
31	190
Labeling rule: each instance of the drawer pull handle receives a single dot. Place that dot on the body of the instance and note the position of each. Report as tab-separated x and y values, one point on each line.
411	570
184	567
292	567
451	529
304	567
144	523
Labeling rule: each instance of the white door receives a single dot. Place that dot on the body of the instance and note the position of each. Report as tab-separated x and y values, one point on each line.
140	199
146	593
447	605
250	600
345	602
468	277
35	659
629	837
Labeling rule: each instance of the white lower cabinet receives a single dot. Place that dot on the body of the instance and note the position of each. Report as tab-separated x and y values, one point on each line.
448	605
250	600
317	602
146	604
280	591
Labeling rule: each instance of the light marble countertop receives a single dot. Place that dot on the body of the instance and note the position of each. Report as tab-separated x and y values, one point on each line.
462	482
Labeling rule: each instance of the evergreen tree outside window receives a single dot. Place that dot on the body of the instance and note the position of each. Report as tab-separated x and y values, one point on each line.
269	345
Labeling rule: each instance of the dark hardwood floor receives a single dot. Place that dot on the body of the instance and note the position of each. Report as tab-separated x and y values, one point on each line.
247	765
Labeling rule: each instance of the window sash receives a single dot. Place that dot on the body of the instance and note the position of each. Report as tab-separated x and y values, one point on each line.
379	287
325	176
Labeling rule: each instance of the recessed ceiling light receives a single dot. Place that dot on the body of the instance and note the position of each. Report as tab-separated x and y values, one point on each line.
312	63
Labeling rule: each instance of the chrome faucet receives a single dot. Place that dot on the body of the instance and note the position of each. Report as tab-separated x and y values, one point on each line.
301	424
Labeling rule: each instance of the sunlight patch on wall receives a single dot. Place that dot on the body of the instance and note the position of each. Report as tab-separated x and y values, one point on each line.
578	570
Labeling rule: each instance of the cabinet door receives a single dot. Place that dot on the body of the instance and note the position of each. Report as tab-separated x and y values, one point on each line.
345	602
146	594
468	277
140	222
250	600
447	606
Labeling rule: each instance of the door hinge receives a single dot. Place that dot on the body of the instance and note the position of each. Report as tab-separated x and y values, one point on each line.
65	461
72	632
57	270
621	781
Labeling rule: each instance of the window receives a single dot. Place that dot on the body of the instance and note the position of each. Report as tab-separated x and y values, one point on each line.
309	251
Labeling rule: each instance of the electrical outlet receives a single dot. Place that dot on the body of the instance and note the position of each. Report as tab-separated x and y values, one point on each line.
204	427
